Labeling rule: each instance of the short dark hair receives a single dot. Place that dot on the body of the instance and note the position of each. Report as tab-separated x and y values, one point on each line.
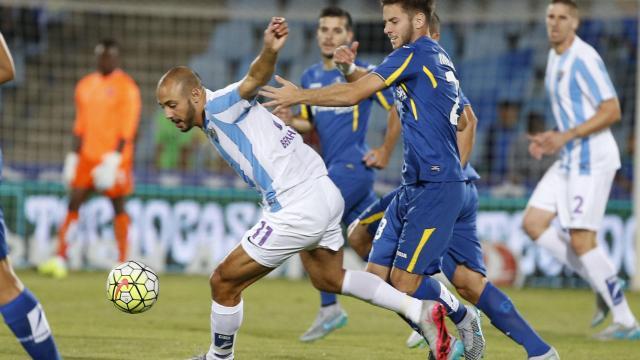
108	43
336	11
570	3
434	23
428	7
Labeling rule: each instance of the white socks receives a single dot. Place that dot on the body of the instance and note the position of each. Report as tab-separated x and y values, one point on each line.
605	280
556	242
225	322
372	289
594	267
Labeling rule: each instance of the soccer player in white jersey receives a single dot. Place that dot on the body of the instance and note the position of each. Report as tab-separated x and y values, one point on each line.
302	208
576	188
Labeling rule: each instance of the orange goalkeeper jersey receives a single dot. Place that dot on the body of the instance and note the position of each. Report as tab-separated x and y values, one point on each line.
107	110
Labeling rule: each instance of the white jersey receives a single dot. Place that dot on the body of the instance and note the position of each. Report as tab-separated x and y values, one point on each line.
266	153
577	82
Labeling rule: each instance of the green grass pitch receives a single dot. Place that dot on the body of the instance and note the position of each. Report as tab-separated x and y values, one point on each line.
276	312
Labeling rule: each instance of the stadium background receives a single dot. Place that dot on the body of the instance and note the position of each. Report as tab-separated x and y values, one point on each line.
187	214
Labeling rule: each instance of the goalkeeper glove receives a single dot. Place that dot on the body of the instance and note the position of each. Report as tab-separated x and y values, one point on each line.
105	174
69	169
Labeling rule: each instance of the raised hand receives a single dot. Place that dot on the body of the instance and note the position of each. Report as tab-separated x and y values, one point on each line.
276	34
344	56
377	158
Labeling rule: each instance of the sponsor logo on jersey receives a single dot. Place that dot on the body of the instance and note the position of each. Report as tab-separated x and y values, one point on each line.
400	94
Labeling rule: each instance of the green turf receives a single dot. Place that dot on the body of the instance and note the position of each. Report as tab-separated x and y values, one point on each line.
87	326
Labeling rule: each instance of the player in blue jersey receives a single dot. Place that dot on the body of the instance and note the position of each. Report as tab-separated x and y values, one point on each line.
342	132
20	309
301	207
422	215
463	263
576	187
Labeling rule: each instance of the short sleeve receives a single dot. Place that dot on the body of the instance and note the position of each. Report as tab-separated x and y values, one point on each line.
464	101
80	121
384	98
397	67
227	105
594	79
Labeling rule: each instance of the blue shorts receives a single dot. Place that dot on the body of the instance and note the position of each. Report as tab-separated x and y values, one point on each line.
464	248
418	225
356	188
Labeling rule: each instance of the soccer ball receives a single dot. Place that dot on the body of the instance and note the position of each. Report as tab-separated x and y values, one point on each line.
132	287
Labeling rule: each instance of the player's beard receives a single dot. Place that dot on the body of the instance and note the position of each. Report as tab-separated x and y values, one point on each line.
405	38
190	118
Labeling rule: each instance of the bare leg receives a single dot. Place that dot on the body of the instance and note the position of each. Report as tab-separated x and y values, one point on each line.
234	274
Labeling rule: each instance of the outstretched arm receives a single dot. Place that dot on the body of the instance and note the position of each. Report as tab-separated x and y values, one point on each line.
7	70
334	95
264	65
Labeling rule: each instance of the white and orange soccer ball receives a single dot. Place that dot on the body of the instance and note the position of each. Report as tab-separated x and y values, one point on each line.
132	287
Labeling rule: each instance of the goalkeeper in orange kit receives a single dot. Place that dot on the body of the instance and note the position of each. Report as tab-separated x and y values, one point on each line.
107	115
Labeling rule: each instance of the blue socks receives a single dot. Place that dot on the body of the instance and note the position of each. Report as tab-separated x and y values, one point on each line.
327	299
25	317
505	317
431	289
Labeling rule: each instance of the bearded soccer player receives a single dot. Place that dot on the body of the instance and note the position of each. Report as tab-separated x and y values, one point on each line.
342	132
107	115
576	187
422	216
20	309
463	263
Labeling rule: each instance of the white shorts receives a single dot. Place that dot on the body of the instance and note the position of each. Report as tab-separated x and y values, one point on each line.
579	201
312	221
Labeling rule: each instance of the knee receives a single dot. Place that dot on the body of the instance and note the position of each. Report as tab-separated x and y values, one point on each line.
582	245
533	227
471	291
222	288
360	245
407	285
359	239
328	282
469	284
10	286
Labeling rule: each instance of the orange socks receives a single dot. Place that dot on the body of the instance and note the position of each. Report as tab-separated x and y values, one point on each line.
121	228
72	216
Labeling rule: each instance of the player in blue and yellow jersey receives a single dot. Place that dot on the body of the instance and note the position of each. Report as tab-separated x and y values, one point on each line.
342	132
422	215
463	263
20	309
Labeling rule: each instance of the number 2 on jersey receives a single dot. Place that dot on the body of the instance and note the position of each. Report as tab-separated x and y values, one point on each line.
453	116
